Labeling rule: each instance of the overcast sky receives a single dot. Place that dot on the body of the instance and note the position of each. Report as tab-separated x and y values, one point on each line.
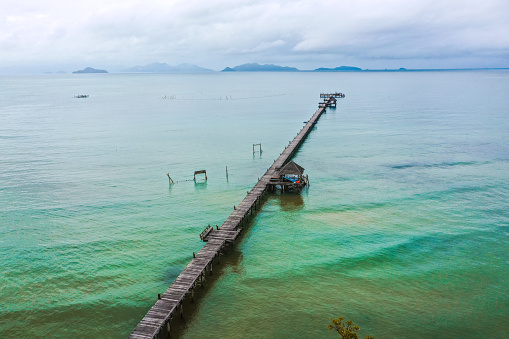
67	35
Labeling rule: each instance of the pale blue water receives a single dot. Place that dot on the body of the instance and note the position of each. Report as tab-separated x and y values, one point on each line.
403	229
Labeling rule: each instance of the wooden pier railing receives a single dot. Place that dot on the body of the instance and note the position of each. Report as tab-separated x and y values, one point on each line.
156	323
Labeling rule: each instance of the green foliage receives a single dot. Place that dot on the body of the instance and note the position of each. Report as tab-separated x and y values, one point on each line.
346	330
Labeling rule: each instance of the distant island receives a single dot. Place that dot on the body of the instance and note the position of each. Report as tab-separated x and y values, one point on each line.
254	67
161	67
339	69
90	70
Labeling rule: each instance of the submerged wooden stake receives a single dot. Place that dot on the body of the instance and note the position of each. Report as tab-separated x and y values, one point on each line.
170	179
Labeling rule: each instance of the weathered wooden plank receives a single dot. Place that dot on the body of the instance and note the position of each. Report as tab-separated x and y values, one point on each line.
139	336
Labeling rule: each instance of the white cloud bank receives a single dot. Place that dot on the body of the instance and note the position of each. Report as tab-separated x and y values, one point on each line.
218	33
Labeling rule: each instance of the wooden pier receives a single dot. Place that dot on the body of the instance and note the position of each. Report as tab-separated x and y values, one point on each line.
156	323
334	95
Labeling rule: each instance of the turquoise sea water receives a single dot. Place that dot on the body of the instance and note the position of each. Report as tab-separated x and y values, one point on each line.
403	229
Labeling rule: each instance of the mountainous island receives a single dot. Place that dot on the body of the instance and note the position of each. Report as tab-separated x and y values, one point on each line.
254	67
161	67
90	70
339	69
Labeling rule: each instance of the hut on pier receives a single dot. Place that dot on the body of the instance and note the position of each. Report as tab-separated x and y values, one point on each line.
289	177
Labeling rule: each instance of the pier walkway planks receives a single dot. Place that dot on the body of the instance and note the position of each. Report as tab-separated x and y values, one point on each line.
157	321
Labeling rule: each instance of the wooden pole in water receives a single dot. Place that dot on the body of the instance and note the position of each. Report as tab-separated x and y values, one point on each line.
226	172
170	179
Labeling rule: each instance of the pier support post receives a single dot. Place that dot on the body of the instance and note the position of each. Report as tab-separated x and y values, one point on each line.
257	145
200	172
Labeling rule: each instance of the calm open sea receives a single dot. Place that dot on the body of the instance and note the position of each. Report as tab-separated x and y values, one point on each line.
404	228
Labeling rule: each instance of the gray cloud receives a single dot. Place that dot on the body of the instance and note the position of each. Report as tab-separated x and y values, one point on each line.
219	33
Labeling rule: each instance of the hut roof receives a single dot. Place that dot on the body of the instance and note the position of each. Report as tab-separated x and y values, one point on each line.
291	168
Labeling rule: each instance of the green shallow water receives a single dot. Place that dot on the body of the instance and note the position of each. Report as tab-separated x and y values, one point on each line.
403	228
